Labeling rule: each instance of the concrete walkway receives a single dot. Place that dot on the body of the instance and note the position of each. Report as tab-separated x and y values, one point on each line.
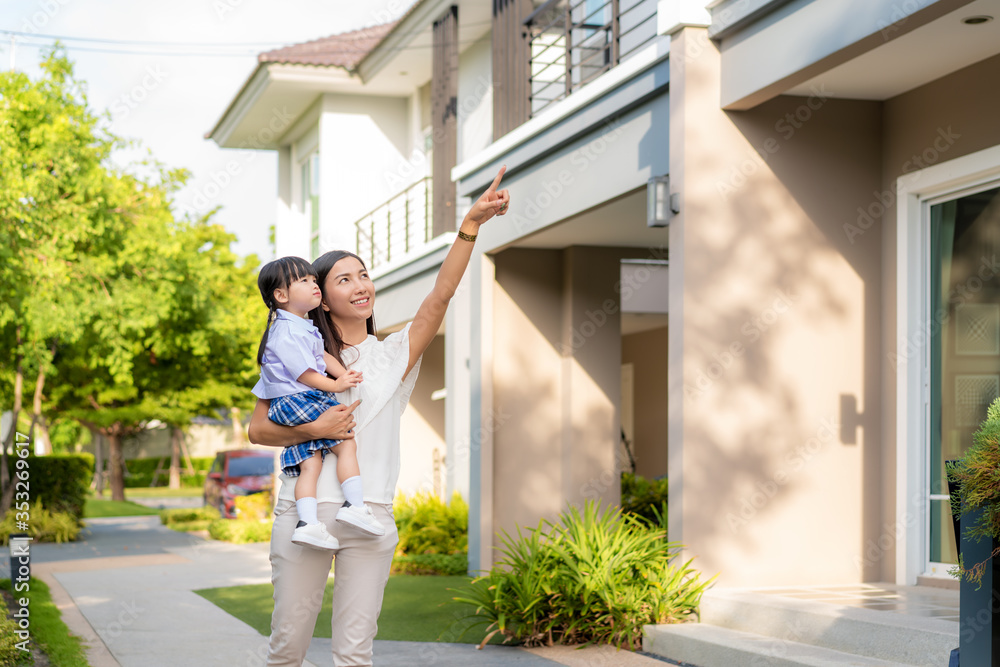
127	588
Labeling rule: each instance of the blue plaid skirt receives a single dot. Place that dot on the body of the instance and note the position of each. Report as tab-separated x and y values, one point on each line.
297	409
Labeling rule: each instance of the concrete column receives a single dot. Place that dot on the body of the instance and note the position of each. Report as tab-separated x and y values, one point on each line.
457	369
591	375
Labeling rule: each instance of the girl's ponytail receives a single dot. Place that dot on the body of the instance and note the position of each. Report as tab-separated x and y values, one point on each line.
271	312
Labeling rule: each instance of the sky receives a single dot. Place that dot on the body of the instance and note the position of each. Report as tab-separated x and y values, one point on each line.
166	71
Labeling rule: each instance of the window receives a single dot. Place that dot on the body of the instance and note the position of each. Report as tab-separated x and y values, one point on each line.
964	365
309	200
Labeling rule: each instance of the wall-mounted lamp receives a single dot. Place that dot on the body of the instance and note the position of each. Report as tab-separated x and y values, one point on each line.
660	204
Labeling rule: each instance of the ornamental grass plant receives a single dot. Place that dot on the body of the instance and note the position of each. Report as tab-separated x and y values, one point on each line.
977	476
596	576
44	525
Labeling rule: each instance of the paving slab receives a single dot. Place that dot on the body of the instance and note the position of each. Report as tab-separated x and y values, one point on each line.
130	582
438	654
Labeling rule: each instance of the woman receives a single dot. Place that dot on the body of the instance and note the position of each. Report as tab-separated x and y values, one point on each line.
389	369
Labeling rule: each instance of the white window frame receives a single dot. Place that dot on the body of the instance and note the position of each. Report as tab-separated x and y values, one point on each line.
914	191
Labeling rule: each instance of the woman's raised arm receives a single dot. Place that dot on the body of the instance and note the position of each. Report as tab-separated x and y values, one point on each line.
336	424
431	312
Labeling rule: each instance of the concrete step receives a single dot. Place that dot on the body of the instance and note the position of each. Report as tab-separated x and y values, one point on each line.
884	635
701	645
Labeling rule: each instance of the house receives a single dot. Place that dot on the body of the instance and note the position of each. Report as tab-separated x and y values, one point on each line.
758	239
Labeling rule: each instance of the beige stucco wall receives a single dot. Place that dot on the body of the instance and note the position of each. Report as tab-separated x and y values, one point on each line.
774	478
422	427
940	121
647	352
556	382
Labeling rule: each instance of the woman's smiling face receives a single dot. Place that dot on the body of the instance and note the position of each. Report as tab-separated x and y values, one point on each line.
348	293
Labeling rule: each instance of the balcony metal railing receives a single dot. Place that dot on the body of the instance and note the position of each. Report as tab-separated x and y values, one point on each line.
395	227
572	42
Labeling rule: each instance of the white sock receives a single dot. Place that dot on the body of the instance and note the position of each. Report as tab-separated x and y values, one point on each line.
306	507
353	491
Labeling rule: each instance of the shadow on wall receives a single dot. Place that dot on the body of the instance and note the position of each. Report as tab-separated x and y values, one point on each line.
783	319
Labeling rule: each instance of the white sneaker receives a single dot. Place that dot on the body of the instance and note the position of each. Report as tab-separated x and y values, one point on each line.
314	535
361	517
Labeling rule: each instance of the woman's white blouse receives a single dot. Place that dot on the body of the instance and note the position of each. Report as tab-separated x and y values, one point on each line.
384	394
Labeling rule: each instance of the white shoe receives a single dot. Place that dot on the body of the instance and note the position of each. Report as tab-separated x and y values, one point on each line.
314	535
360	517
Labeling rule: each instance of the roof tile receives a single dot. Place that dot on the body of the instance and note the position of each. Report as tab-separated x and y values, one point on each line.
344	50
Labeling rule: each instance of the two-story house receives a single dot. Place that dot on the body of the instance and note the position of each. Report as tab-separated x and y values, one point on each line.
756	241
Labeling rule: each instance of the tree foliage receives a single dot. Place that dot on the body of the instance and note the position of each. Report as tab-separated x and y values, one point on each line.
134	315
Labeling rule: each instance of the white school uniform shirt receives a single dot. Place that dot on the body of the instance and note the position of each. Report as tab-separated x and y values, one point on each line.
384	393
294	345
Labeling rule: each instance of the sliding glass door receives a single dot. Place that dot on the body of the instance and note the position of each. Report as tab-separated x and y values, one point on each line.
964	327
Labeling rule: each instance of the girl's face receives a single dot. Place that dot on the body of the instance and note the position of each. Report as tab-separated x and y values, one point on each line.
301	296
348	293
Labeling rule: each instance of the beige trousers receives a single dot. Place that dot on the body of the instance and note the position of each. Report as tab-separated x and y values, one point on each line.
299	576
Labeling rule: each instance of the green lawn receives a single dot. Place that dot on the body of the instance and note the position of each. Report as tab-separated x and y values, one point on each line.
158	492
415	608
95	509
47	628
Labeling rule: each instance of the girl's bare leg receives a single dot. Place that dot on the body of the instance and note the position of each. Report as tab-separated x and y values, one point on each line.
347	461
305	485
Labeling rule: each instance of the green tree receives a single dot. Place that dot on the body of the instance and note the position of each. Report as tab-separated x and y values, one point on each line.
125	313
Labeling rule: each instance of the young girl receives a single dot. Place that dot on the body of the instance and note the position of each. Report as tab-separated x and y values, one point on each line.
293	367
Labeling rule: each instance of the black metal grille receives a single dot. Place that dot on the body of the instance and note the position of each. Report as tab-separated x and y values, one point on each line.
572	42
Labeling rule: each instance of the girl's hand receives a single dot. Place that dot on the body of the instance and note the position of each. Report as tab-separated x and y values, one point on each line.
491	202
348	379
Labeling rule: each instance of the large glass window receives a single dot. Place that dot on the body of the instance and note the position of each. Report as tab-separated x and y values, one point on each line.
309	200
964	359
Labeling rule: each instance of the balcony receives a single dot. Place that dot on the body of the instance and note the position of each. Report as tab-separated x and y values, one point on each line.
394	228
572	42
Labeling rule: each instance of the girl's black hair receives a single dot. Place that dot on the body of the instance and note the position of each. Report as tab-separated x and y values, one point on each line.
278	274
332	339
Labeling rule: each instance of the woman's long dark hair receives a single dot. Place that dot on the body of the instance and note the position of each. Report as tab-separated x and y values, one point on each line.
332	339
278	274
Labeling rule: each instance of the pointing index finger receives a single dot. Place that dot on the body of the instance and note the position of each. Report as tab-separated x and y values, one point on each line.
496	181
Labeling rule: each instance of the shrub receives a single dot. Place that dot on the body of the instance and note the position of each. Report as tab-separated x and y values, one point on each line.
189	526
186	515
976	476
428	526
59	481
431	564
140	472
599	576
255	507
645	498
43	525
9	653
240	532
